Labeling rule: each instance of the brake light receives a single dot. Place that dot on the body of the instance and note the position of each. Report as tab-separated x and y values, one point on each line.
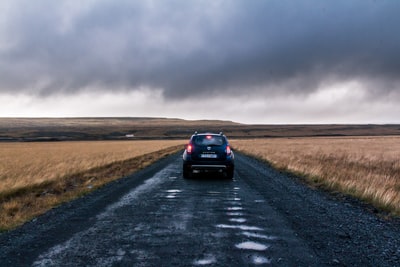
228	150
189	148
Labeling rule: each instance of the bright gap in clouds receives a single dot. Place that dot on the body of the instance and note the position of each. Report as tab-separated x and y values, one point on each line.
84	104
338	103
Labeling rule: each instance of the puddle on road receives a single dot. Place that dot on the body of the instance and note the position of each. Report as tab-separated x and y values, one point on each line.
257	260
241	227
234	214
250	245
234	199
255	240
266	237
234	208
173	191
209	259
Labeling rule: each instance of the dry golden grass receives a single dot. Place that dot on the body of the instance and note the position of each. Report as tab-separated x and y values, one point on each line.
365	167
25	164
37	176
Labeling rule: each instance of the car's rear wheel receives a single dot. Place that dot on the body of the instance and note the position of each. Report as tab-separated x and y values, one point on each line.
229	174
186	174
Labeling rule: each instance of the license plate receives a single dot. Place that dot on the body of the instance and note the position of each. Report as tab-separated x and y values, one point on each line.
208	156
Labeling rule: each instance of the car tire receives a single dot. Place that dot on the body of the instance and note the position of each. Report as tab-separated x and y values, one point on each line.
229	174
186	174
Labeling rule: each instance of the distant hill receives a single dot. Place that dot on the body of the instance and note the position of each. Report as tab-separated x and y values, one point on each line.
59	129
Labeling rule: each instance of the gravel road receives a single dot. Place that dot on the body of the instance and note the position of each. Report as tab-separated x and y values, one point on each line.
156	218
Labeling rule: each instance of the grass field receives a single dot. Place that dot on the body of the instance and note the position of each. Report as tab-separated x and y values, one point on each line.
37	176
365	167
25	164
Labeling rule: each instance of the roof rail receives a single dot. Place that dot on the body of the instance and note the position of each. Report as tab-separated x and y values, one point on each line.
195	133
221	133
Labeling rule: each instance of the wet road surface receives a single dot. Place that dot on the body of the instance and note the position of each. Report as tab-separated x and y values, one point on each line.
157	218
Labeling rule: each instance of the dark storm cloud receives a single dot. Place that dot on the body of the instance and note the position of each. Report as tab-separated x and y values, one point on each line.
198	47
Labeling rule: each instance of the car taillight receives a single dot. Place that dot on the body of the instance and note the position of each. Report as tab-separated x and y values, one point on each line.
228	150
189	149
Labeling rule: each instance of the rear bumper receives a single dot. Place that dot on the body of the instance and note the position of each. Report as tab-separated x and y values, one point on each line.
208	166
205	168
197	167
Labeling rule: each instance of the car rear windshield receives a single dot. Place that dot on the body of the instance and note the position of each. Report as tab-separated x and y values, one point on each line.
209	140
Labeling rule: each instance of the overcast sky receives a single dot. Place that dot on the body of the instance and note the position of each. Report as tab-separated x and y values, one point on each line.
250	61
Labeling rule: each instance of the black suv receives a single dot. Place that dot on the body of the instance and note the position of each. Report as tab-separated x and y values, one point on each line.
208	152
